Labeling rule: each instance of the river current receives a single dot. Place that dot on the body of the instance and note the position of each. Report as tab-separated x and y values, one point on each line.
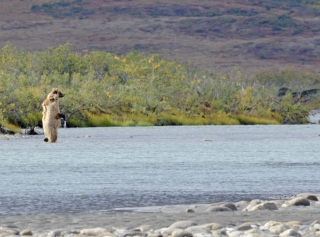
96	170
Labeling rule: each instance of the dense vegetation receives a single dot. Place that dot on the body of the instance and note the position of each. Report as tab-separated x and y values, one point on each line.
63	9
83	9
103	89
285	31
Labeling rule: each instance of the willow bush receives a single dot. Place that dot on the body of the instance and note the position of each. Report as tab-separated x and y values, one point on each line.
103	89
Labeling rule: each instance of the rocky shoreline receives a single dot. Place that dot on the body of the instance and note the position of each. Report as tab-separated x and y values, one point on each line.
295	216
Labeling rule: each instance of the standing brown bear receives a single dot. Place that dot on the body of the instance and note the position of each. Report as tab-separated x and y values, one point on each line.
51	115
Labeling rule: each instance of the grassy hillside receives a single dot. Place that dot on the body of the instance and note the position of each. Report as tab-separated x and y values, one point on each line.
219	35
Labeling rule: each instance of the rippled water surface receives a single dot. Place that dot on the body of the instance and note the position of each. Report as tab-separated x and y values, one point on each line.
94	170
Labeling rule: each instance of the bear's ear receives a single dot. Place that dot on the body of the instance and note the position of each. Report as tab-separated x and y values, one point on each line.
55	90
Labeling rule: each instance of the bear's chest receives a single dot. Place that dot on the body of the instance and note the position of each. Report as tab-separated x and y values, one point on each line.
51	110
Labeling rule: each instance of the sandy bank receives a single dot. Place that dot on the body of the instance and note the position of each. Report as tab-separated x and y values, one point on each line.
264	218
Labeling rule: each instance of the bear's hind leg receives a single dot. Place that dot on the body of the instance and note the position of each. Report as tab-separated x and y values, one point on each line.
45	131
54	136
53	132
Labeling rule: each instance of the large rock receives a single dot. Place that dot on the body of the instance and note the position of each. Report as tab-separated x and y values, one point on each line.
290	233
154	235
199	229
308	196
26	232
235	233
55	233
189	210
142	228
181	233
129	233
264	206
179	225
245	226
241	205
124	232
220	232
294	223
269	224
93	231
73	233
229	205
212	226
202	235
160	231
315	223
297	202
182	224
253	203
277	229
218	209
312	197
255	232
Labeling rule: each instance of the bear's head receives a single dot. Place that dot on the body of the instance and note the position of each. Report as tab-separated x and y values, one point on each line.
55	94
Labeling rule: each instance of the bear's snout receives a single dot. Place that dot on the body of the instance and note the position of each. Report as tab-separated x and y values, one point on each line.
60	94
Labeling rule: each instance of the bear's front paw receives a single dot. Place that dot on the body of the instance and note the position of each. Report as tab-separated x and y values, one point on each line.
62	116
59	116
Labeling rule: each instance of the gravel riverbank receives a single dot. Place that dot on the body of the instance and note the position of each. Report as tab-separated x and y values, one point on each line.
295	216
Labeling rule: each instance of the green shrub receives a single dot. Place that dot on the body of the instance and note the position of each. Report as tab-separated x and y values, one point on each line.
103	89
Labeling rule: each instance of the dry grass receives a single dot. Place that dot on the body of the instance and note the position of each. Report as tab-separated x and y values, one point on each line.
248	120
12	127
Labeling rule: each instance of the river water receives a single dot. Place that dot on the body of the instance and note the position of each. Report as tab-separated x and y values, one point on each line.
96	170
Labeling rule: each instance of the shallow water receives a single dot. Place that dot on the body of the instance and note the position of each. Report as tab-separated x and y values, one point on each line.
94	170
